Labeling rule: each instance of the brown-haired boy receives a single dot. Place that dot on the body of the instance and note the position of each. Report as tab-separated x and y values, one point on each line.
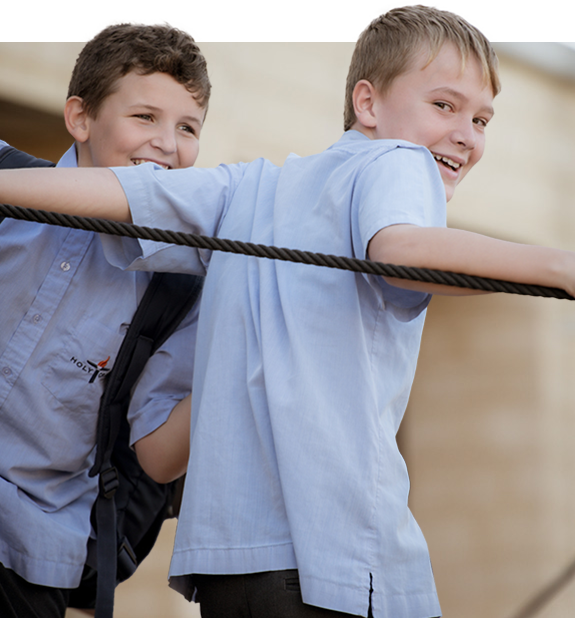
296	494
138	94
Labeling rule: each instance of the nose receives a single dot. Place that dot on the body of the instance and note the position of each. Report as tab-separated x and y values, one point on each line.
165	140
465	135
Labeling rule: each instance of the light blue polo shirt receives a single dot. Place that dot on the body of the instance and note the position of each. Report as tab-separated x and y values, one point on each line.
302	373
64	312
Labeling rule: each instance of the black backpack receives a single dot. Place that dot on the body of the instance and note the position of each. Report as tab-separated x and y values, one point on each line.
10	158
130	507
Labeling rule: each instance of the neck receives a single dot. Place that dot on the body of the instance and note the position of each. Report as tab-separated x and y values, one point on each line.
368	132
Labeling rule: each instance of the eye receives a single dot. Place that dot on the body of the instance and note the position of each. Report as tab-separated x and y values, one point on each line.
442	105
143	116
481	122
186	128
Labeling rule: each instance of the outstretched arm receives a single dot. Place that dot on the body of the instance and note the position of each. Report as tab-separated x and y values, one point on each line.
90	192
471	254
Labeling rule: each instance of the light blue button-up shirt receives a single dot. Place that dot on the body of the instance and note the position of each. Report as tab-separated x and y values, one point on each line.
302	373
64	313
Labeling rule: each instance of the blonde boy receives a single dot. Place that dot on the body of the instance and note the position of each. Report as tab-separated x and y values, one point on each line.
296	496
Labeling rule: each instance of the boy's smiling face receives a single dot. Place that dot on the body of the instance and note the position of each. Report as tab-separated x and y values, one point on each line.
146	118
438	106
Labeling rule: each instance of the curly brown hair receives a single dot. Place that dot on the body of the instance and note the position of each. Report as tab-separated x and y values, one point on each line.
117	50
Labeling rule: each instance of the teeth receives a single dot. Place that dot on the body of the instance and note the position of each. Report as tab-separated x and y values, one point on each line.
448	161
140	161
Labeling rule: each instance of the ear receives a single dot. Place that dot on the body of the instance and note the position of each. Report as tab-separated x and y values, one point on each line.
364	95
76	119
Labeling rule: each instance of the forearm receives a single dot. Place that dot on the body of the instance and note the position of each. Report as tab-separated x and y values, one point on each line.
164	453
472	254
90	192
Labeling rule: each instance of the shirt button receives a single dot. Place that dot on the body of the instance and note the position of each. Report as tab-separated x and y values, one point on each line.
65	266
7	371
37	318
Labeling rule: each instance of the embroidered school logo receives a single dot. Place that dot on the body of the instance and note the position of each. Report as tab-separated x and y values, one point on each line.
100	368
93	369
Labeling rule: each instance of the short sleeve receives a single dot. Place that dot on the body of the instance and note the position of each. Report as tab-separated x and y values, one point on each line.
191	200
166	379
400	186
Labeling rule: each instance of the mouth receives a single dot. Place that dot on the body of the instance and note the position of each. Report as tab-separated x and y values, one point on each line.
447	162
162	165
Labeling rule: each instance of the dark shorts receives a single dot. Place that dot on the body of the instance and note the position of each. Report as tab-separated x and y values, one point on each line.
275	594
21	599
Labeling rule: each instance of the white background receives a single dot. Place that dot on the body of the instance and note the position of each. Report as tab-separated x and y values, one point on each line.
268	20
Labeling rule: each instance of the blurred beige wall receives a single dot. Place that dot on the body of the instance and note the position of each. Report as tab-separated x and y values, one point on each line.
491	422
489	430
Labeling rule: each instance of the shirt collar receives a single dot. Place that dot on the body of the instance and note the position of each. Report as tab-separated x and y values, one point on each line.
353	136
69	158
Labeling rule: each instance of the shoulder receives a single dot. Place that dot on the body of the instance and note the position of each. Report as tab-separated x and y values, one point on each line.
399	152
360	154
12	158
396	162
355	142
399	184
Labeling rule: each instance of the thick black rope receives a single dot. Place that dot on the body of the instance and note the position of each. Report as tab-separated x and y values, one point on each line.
103	226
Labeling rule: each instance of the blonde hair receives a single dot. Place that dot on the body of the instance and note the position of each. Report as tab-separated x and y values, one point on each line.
386	48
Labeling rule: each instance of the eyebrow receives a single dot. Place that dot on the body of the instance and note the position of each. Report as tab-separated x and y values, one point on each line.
488	109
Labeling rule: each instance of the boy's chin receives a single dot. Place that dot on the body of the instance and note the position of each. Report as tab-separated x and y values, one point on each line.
449	192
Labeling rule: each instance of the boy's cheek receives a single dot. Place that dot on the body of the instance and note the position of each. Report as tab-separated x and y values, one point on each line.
190	155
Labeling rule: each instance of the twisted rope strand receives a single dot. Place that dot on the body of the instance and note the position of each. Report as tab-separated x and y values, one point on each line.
103	226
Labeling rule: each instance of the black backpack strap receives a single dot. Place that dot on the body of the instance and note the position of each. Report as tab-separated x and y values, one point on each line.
168	299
